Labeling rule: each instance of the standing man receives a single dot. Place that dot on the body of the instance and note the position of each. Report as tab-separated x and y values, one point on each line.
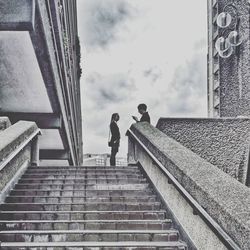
142	109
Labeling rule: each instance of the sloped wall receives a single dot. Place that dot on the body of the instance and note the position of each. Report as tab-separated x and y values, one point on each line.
224	142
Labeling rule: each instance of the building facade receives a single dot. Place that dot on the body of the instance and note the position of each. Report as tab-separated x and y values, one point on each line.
40	72
229	78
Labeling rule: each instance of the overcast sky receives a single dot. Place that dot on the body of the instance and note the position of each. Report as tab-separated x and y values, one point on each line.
133	51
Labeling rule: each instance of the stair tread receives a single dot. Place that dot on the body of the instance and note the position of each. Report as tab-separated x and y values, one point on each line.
97	244
80	211
139	231
99	178
47	196
120	189
85	221
80	203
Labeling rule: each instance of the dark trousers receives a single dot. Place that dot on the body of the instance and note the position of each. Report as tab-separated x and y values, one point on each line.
114	151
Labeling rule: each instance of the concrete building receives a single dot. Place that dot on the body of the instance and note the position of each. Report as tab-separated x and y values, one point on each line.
39	74
229	78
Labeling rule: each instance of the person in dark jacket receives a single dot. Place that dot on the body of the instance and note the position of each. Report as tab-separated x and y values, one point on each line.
115	138
142	109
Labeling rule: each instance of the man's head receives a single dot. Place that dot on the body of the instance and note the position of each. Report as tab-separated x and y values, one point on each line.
142	108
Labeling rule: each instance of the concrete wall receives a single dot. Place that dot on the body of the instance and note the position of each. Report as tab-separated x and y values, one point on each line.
226	200
10	140
223	142
4	123
234	72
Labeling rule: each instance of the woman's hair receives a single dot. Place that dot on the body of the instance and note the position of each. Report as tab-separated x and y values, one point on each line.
113	117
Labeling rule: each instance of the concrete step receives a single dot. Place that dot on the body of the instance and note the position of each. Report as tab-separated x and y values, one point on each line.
169	245
83	167
83	192
83	215
83	181
79	176
102	186
82	206
86	169
85	224
73	199
88	235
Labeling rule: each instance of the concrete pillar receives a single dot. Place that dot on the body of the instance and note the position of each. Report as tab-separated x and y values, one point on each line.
35	151
131	151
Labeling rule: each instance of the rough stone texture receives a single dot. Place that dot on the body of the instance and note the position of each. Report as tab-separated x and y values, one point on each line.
11	168
223	142
234	72
13	136
16	14
4	123
224	198
10	139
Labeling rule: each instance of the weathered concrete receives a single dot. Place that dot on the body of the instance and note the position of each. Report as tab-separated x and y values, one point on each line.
224	142
13	136
225	199
10	139
17	14
201	236
4	123
229	77
38	68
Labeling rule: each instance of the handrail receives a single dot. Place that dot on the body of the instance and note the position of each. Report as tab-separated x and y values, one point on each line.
199	210
6	160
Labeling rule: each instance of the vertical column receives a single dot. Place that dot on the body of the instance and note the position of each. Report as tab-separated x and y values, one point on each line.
35	151
131	151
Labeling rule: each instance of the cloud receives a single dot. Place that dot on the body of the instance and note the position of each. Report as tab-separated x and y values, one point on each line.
153	73
187	87
110	89
104	20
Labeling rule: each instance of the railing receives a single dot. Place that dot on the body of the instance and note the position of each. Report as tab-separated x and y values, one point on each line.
20	147
198	210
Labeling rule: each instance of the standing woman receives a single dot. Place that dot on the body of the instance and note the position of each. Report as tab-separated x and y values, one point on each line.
115	137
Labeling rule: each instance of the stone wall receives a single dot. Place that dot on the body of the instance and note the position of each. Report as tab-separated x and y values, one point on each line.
226	200
223	142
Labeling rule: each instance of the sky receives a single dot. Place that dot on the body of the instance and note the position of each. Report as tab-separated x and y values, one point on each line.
140	51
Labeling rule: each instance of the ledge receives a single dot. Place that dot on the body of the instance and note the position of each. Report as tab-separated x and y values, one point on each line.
224	142
225	199
14	135
4	123
17	14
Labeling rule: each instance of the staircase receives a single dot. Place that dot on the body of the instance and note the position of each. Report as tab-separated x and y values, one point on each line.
91	207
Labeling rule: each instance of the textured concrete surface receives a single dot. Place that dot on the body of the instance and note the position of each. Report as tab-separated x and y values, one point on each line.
13	166
223	142
4	123
14	136
201	236
10	139
17	14
234	72
22	88
224	198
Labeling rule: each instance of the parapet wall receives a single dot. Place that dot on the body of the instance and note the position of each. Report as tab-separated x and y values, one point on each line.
4	123
224	142
226	200
16	153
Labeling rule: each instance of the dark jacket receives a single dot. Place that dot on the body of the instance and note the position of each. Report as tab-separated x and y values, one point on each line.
145	117
115	134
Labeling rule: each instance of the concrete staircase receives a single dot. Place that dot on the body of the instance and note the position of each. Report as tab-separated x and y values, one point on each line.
91	207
